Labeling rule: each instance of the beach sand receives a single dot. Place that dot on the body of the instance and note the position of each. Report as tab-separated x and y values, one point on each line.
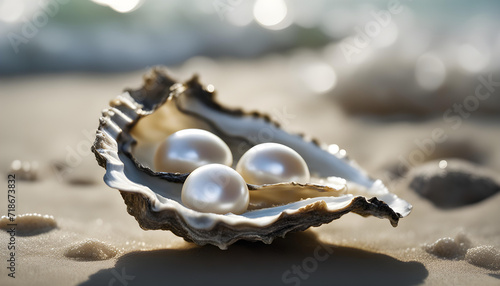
51	119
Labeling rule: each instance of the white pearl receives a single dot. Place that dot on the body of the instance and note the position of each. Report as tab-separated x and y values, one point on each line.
215	188
271	163
189	149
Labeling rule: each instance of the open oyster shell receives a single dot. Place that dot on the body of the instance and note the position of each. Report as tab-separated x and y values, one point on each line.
136	122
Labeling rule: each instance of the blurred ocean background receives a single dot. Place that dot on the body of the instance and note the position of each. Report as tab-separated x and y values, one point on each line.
404	56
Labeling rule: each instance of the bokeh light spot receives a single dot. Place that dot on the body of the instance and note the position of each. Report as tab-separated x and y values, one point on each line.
270	13
430	72
11	10
471	59
122	6
319	77
443	164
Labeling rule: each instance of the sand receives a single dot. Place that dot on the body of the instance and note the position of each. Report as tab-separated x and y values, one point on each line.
50	120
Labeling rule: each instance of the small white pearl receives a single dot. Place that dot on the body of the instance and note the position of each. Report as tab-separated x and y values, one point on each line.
272	163
215	188
188	149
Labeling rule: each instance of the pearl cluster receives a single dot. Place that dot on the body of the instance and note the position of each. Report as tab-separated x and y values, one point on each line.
213	186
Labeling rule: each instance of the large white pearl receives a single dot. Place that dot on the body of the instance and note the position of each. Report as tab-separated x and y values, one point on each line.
215	188
188	149
271	163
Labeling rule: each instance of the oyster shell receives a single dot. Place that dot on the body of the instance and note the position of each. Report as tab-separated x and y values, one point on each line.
137	120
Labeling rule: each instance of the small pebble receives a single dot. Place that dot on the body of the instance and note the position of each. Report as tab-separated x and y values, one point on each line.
91	250
485	256
77	175
449	248
27	171
453	183
29	224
